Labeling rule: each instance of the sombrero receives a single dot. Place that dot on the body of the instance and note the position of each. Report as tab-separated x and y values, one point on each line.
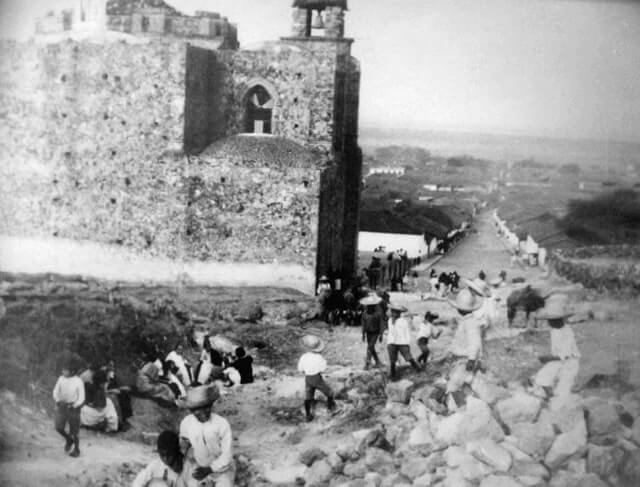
371	300
313	343
495	282
477	287
200	396
466	301
398	307
555	308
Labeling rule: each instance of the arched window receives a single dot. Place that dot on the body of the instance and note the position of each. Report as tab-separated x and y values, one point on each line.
258	111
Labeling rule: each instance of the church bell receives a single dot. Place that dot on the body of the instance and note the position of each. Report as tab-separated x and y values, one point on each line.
317	21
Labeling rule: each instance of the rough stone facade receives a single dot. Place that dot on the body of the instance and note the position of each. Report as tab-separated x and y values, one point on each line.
615	267
93	145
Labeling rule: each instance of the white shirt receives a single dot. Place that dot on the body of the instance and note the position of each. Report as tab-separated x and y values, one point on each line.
563	343
156	470
312	363
399	332
427	330
69	390
211	442
473	326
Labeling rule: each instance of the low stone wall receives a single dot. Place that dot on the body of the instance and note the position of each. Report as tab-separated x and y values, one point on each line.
615	276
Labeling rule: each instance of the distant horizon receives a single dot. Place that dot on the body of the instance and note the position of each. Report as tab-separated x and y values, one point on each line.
485	132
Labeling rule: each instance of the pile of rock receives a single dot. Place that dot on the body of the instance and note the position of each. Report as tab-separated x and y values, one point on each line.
503	436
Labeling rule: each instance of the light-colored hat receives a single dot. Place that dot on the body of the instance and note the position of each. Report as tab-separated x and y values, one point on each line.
495	282
323	278
371	300
200	396
398	307
555	308
477	286
466	301
313	343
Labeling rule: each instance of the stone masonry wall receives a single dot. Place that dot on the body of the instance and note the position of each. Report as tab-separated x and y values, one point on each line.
300	77
624	274
91	142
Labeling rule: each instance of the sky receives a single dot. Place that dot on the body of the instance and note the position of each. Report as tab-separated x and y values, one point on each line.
563	68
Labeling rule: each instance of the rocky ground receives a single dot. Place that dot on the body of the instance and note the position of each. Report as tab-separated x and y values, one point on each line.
383	434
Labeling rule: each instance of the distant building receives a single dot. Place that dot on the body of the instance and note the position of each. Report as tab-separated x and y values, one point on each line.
396	171
415	245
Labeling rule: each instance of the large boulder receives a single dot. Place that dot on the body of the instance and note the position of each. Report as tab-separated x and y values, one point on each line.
461	461
414	467
285	474
355	470
489	452
380	461
569	479
567	446
602	418
534	439
475	422
531	470
499	481
604	461
319	474
520	407
309	456
487	390
400	391
421	436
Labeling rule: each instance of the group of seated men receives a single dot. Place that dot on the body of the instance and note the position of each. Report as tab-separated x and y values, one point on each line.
167	381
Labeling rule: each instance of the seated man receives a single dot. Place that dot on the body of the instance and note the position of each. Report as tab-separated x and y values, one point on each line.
98	410
243	365
148	383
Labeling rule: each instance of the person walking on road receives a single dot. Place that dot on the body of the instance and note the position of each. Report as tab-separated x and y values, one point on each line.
398	339
372	327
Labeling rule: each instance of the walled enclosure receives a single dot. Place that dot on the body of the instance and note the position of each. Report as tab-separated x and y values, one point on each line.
92	152
612	267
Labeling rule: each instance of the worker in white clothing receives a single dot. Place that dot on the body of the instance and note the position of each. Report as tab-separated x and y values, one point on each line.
206	438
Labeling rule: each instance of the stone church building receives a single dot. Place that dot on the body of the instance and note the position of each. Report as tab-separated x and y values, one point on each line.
145	144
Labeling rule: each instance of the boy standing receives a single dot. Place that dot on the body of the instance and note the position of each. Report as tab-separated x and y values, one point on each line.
312	364
68	394
427	330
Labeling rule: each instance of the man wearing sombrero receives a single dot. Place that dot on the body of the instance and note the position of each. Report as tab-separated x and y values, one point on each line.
372	327
398	339
206	438
312	365
562	369
468	340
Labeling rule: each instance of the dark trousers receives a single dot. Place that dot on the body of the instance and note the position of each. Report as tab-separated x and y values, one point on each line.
423	343
403	350
372	338
67	414
313	382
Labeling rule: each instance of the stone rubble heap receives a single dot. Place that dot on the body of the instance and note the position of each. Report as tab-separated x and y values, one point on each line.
504	436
